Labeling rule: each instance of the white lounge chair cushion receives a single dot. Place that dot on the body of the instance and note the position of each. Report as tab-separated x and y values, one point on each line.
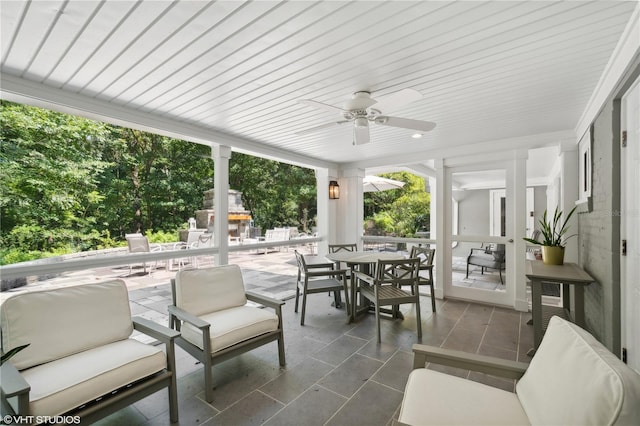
232	326
61	385
574	379
434	398
202	291
57	323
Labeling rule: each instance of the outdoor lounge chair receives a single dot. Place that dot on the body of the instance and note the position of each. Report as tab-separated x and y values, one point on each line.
138	243
81	360
487	257
210	310
572	380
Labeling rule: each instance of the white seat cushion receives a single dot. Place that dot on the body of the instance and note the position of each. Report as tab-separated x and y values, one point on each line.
61	322
433	398
232	326
574	379
61	385
202	291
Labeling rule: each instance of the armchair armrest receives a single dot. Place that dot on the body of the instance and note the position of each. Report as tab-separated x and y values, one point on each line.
364	277
481	250
329	265
153	329
327	273
481	363
264	300
183	315
14	385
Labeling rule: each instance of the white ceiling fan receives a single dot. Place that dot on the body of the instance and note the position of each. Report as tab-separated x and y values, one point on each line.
358	111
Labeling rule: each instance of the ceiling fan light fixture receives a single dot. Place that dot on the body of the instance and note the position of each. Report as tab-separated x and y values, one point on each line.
361	122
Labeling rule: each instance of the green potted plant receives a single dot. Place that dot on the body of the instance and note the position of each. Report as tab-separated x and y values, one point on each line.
553	237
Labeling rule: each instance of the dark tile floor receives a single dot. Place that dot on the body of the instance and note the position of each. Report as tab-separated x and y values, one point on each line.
336	373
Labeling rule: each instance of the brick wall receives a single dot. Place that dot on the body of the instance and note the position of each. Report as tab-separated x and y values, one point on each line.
599	232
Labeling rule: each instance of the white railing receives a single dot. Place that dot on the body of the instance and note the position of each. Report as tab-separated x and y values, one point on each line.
117	257
373	239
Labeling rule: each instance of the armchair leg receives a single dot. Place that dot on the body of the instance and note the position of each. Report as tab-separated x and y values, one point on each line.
208	379
337	299
281	355
304	307
378	322
433	297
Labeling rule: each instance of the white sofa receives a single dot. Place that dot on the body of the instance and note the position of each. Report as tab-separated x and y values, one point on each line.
81	359
572	380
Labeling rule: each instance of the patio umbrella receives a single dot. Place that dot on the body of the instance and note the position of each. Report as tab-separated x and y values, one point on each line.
377	183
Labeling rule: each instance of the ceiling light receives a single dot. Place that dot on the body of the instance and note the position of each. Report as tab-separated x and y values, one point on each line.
416	135
361	122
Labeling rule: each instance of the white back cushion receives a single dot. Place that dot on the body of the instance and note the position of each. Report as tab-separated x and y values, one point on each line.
202	291
574	379
61	322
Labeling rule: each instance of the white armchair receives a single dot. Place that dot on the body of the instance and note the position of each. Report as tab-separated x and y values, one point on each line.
81	360
210	310
572	380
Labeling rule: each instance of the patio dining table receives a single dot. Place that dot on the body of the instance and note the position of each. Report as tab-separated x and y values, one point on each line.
362	261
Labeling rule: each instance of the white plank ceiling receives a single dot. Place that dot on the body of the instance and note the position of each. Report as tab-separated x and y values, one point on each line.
487	70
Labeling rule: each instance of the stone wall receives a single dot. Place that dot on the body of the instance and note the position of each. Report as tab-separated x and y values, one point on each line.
599	231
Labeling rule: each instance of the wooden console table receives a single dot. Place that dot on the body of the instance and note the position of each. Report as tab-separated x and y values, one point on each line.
566	275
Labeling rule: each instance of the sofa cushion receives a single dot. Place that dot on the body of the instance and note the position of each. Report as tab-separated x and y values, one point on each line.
64	384
232	326
60	322
202	291
434	398
574	379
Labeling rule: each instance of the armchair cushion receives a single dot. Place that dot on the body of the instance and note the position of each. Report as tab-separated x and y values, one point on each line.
48	321
89	375
203	291
480	402
232	326
574	379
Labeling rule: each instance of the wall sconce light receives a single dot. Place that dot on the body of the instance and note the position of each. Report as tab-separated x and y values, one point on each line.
334	190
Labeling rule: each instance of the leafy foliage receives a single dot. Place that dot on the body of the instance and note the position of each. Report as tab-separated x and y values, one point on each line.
71	184
403	211
553	232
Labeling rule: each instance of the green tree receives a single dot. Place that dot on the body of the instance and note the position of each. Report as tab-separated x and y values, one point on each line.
402	211
49	168
277	194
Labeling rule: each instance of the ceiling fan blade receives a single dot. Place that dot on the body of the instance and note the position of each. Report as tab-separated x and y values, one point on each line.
397	99
405	123
320	105
320	127
360	135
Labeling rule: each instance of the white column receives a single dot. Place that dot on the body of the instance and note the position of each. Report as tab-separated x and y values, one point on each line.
433	208
516	193
350	209
442	231
221	156
326	218
569	187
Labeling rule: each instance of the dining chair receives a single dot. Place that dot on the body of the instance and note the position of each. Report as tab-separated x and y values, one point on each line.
336	248
426	256
319	278
384	288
